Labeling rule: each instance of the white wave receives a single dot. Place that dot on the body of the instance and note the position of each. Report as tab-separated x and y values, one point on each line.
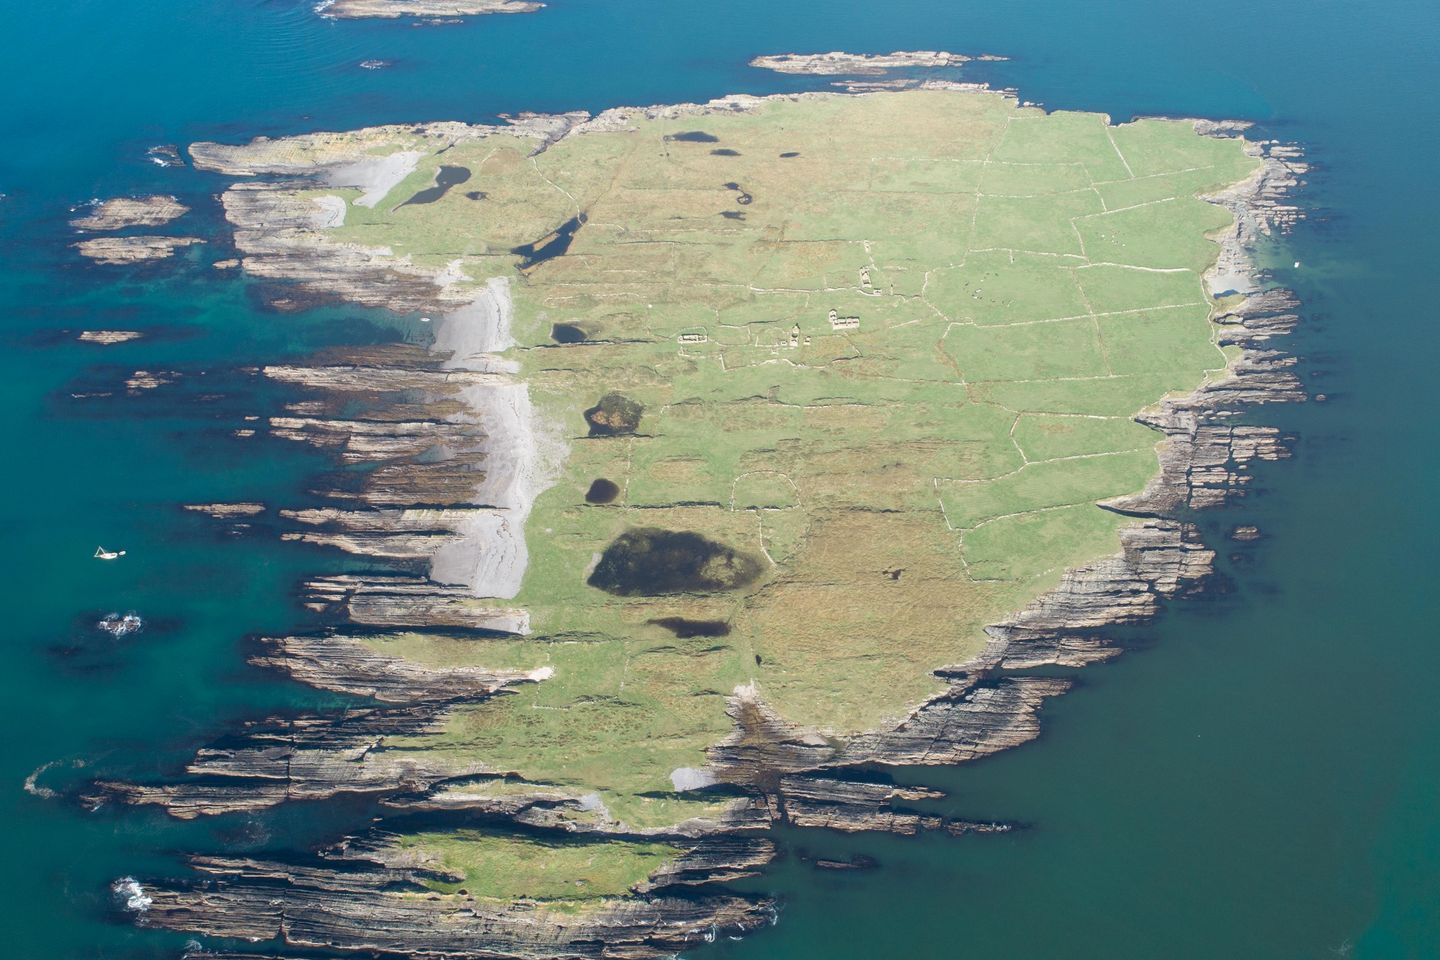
32	785
118	626
131	895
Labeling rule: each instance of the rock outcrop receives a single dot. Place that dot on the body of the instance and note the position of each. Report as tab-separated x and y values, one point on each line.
108	338
304	758
347	664
122	250
409	602
123	213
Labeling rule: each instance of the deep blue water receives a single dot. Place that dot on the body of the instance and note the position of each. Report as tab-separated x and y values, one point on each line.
1262	780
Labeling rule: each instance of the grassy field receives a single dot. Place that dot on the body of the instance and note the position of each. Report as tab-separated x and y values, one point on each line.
490	866
891	343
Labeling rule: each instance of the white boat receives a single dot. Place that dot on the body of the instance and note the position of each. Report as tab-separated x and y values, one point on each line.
103	554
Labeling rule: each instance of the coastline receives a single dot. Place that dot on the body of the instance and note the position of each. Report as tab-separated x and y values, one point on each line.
982	711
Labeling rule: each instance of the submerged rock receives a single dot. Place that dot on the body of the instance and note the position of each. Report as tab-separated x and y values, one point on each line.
165	155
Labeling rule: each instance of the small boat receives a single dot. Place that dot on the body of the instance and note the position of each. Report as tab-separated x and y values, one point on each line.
103	554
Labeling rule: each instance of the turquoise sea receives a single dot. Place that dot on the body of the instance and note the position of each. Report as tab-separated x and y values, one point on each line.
1260	779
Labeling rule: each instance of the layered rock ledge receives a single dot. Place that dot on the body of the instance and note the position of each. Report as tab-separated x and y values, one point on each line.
123	250
123	213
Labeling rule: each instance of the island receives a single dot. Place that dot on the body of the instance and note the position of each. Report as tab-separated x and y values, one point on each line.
431	9
762	444
839	63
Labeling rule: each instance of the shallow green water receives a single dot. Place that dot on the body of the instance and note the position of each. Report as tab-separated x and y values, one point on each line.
1260	781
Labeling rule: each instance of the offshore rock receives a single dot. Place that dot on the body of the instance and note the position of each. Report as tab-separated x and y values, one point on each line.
121	250
122	213
837	63
226	511
108	337
351	9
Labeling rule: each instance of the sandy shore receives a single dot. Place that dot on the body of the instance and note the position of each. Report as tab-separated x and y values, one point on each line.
374	178
472	334
520	462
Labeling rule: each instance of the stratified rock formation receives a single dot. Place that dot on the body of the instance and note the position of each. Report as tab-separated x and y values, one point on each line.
122	250
123	213
367	907
108	337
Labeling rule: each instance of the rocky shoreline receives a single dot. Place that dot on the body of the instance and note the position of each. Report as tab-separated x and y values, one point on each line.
456	458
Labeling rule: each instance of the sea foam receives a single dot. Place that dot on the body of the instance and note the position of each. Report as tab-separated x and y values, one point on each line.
131	895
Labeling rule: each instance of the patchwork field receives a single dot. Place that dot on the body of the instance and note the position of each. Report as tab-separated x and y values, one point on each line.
880	354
